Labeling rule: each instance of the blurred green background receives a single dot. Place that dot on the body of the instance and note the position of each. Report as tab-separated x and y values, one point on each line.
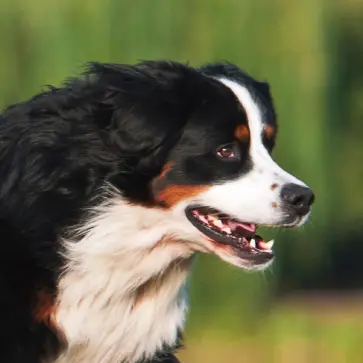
308	306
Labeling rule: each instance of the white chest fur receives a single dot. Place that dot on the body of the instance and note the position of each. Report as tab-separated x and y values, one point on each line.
123	294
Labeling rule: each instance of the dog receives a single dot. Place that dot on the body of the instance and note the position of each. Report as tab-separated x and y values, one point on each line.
111	184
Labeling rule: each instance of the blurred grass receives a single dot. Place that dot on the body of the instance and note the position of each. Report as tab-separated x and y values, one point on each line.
283	334
311	53
231	322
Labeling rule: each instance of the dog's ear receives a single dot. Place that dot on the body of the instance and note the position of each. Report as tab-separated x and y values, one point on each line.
141	110
144	140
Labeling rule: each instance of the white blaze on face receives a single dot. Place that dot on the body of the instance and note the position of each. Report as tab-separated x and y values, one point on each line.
252	197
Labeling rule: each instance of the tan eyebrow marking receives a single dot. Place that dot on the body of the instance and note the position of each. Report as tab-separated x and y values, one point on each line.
242	133
269	131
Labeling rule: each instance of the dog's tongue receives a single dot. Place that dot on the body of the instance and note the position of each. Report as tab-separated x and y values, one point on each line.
233	224
243	229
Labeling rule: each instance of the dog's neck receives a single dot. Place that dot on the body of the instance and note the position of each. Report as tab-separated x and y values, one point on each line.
123	294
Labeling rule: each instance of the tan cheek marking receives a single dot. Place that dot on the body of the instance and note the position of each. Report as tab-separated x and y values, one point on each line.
269	131
45	312
242	133
167	167
174	194
274	205
157	182
165	170
44	306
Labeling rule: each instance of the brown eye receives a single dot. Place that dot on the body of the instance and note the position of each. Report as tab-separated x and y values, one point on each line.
229	152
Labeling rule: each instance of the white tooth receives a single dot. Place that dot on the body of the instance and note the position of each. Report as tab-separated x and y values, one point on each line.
226	230
270	244
252	243
203	219
218	223
266	246
212	218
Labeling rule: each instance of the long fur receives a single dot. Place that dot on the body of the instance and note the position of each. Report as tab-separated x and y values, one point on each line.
98	180
128	271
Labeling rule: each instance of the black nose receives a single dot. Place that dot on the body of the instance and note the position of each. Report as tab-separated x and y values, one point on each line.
297	197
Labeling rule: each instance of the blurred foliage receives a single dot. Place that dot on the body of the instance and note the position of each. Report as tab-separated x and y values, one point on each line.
311	52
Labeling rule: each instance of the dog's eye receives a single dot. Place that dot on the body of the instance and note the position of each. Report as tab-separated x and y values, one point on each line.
229	152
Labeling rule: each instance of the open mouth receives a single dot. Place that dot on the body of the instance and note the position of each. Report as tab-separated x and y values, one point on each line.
226	231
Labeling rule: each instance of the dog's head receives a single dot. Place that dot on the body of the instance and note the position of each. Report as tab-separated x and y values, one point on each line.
202	143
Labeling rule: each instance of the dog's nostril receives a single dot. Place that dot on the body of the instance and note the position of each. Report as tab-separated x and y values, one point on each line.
298	201
298	197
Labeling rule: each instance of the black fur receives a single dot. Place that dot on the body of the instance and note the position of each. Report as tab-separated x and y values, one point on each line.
259	90
118	124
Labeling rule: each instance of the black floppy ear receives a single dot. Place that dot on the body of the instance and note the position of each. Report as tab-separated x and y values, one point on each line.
143	140
142	109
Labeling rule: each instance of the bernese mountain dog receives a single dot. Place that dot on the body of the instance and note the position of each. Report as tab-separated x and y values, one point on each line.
110	185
